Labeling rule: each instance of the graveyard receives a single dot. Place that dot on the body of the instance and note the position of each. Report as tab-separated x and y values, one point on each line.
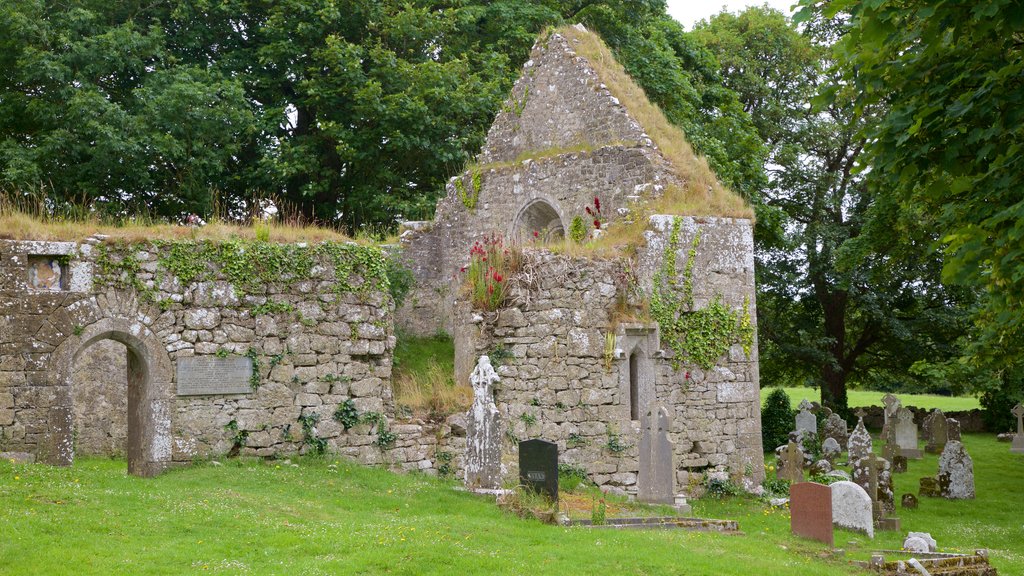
321	517
608	329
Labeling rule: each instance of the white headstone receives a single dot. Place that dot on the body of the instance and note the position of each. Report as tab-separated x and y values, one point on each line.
806	422
927	537
905	432
851	508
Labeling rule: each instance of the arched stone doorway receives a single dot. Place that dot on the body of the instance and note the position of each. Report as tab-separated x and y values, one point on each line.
149	391
539	219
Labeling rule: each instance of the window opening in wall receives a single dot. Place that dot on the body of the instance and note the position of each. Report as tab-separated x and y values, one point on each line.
634	386
539	220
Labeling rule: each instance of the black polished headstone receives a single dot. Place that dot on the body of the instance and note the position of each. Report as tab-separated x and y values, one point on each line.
538	467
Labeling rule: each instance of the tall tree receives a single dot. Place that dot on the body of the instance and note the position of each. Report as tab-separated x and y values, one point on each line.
948	150
829	312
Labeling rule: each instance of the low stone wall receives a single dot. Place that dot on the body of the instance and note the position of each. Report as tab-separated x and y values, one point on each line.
971	421
98	352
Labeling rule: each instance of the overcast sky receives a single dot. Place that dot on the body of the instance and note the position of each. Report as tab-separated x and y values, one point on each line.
689	12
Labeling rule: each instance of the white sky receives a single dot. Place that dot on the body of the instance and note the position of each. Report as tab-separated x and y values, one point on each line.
689	12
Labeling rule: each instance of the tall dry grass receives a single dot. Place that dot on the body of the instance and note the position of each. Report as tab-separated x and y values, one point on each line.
34	217
432	392
701	193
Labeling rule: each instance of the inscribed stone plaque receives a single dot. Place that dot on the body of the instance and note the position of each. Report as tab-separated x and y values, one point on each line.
810	508
206	375
538	467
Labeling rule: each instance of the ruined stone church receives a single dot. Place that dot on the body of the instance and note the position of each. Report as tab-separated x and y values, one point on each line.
634	296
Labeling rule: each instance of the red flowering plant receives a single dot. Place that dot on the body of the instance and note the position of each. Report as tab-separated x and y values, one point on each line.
492	263
595	213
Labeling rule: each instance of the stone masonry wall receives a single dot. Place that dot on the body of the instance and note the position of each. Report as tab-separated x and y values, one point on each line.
313	346
561	382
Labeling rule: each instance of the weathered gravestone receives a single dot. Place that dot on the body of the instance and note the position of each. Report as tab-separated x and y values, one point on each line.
929	487
806	422
908	501
931	544
791	463
810	511
906	434
835	427
937	432
952	429
860	441
956	472
656	481
875	476
915	545
831	450
891	405
538	467
1018	439
851	507
899	464
483	430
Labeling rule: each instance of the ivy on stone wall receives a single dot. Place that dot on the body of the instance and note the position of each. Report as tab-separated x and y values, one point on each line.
248	265
700	336
470	197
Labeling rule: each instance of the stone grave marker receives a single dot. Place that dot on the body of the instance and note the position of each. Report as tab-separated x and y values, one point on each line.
860	440
806	422
538	467
929	487
956	472
874	475
906	434
831	450
851	507
937	432
835	427
908	501
656	480
891	405
483	430
927	537
1018	439
899	464
791	463
810	509
952	429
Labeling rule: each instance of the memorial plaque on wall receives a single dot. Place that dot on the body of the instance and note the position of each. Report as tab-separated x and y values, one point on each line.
207	375
538	467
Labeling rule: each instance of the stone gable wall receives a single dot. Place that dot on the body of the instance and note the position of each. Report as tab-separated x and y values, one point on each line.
328	347
558	102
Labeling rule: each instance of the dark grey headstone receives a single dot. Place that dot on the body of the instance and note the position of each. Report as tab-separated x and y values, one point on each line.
538	467
209	375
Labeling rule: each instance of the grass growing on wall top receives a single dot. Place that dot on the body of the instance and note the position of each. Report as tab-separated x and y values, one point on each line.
702	193
21	226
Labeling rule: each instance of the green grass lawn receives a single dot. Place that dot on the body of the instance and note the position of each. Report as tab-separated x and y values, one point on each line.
249	517
870	398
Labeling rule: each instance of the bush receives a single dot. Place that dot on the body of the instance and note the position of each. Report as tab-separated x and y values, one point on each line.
999	400
776	420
